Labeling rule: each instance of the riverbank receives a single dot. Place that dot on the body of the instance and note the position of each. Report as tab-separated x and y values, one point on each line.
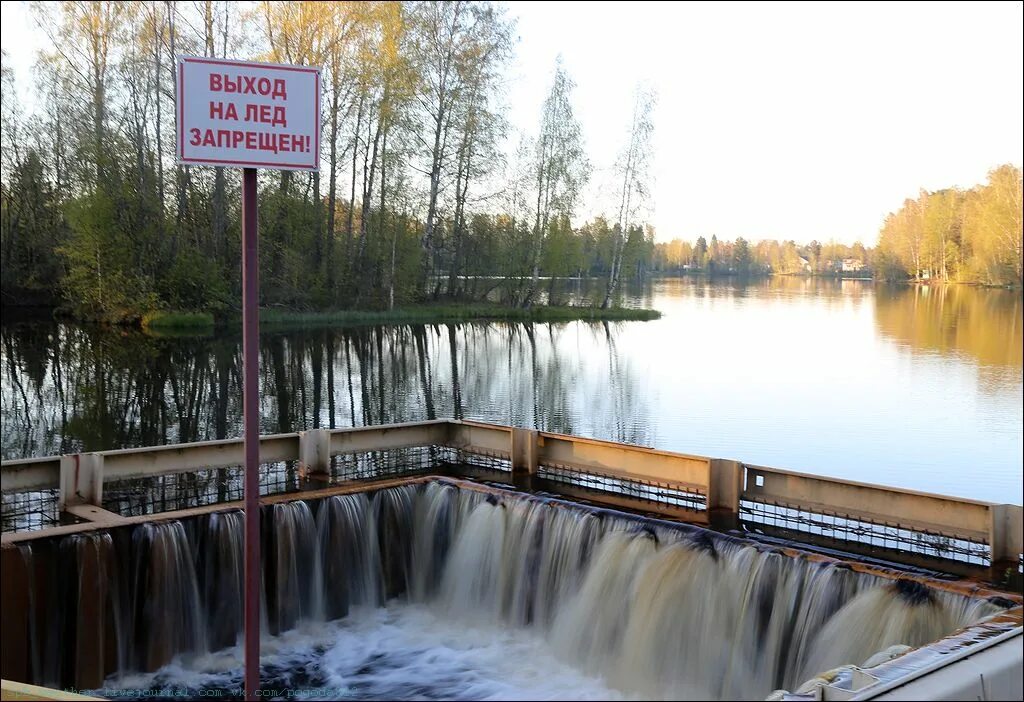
177	322
431	314
857	276
168	322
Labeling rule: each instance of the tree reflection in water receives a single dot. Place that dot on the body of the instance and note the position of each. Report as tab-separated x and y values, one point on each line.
70	388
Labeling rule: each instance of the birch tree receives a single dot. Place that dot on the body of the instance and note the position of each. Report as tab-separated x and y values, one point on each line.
633	168
561	168
447	42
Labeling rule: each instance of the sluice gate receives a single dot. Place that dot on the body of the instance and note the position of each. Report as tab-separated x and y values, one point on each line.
668	575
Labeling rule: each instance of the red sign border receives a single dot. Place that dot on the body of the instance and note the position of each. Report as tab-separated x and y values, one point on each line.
180	130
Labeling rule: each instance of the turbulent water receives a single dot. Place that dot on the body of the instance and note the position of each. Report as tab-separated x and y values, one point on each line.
435	591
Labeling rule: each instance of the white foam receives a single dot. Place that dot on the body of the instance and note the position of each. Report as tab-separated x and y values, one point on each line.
401	651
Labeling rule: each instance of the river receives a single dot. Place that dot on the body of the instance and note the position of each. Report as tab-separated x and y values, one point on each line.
912	387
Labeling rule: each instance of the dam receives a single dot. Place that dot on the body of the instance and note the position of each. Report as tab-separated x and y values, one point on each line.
454	559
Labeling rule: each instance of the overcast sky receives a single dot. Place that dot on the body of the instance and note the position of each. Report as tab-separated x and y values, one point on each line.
774	120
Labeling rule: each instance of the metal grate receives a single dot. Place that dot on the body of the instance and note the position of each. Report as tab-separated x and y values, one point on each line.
371	465
641	490
177	491
29	511
480	460
840	527
163	493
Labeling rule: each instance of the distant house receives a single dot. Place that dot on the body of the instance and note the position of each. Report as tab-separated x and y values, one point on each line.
852	265
804	264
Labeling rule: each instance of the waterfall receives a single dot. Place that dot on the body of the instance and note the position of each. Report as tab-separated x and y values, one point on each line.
569	538
292	573
166	612
651	608
592	638
222	573
350	555
902	612
436	518
675	612
474	569
393	513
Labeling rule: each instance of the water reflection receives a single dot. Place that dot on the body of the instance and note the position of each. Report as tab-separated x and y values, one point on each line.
76	388
901	386
984	325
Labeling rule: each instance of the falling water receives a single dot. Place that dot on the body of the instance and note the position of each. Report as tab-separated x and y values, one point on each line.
393	515
222	572
901	612
166	610
293	579
350	555
644	607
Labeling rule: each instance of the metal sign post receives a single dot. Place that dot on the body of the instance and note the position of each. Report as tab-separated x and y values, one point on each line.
251	421
249	115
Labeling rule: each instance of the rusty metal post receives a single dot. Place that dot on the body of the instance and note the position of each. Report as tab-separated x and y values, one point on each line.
250	358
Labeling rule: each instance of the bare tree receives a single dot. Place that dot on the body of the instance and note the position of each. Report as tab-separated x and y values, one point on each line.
561	168
633	166
447	42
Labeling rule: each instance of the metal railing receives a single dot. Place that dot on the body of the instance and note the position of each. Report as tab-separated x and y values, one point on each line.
79	491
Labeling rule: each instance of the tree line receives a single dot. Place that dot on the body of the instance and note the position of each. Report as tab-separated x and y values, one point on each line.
949	236
415	200
766	257
972	235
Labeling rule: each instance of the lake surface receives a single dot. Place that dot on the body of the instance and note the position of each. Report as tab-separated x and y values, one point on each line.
911	387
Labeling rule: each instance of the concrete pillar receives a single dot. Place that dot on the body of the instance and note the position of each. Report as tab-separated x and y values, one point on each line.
1006	542
725	486
524	458
81	480
315	453
524	451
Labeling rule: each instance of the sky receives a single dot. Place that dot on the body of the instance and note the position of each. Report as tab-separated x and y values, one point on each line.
785	120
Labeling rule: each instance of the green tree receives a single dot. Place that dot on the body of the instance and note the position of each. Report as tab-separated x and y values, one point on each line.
700	253
741	258
993	227
32	228
101	284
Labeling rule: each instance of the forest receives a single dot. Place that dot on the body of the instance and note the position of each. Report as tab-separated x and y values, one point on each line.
419	197
415	200
947	236
956	235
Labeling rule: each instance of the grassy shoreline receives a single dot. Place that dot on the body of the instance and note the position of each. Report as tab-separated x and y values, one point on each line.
171	320
174	322
434	314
